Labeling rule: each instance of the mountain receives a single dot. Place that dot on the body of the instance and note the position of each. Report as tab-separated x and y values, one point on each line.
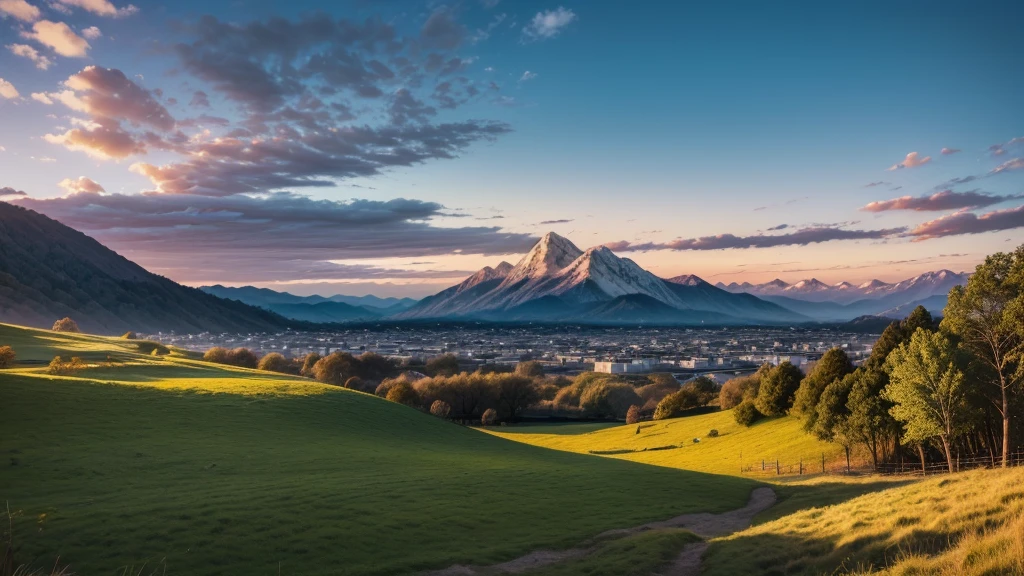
872	297
325	312
48	271
556	281
265	297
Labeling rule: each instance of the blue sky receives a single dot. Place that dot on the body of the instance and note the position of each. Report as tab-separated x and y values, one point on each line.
731	140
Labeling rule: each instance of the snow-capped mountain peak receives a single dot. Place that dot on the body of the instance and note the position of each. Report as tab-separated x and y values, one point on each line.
687	280
551	254
486	273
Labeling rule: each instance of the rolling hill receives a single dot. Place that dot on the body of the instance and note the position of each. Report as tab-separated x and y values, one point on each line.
48	271
200	468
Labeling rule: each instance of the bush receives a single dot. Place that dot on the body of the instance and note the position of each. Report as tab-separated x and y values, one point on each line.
152	348
403	393
633	414
737	390
335	368
441	409
713	433
354	383
444	365
675	404
6	356
530	369
275	362
490	417
608	399
242	357
65	325
59	367
216	354
307	364
704	389
746	413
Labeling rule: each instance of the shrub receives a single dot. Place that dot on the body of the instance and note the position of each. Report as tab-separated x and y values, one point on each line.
242	357
65	325
152	348
530	369
633	414
335	368
307	364
746	413
216	354
674	405
737	390
59	367
608	399
713	433
274	362
704	390
443	365
513	392
6	356
354	383
403	393
441	409
490	417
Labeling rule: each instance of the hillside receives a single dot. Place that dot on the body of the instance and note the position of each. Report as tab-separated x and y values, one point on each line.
770	439
967	524
337	308
48	271
196	467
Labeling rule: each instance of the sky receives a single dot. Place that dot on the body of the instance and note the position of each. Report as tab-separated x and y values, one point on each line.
396	147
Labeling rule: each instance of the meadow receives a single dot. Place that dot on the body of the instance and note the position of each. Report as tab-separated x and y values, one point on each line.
169	463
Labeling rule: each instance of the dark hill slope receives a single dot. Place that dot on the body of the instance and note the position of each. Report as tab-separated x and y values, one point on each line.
48	271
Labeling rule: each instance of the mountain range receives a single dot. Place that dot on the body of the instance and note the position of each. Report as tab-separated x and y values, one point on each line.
48	271
337	308
556	281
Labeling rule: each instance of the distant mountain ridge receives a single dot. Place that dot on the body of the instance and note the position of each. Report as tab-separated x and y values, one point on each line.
813	290
337	308
48	271
556	281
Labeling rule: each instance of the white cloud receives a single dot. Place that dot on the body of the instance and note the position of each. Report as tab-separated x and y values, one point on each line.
81	185
92	33
40	97
102	7
20	10
60	37
26	51
527	76
550	23
911	161
7	90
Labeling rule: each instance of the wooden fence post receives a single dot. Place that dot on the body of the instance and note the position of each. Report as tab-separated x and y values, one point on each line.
777	471
822	462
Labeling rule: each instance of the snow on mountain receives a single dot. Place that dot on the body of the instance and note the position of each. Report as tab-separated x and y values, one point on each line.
548	256
688	280
812	290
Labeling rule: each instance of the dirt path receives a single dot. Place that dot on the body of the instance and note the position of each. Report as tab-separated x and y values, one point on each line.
686	564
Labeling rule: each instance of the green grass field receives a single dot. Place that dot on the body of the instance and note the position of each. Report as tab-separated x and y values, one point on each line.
736	445
208	469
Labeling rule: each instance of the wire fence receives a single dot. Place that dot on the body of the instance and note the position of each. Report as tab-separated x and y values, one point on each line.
859	466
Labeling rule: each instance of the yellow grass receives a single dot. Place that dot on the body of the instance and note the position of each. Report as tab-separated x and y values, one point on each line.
970	523
781	438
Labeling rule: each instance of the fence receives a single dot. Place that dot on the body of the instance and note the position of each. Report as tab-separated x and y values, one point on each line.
821	465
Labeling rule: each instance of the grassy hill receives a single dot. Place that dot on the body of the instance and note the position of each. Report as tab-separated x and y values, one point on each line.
203	469
965	524
670	442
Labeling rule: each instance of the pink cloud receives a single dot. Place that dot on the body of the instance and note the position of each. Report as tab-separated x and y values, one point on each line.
81	185
969	223
911	161
26	51
945	200
948	151
101	7
60	37
20	10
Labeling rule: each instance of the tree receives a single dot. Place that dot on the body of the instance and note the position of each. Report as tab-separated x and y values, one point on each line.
530	369
927	390
403	393
987	316
335	368
515	393
607	399
490	417
778	387
633	414
737	390
354	383
890	339
443	365
746	413
833	365
441	409
704	389
6	356
216	354
307	364
870	422
677	403
242	357
919	317
832	420
274	362
65	325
